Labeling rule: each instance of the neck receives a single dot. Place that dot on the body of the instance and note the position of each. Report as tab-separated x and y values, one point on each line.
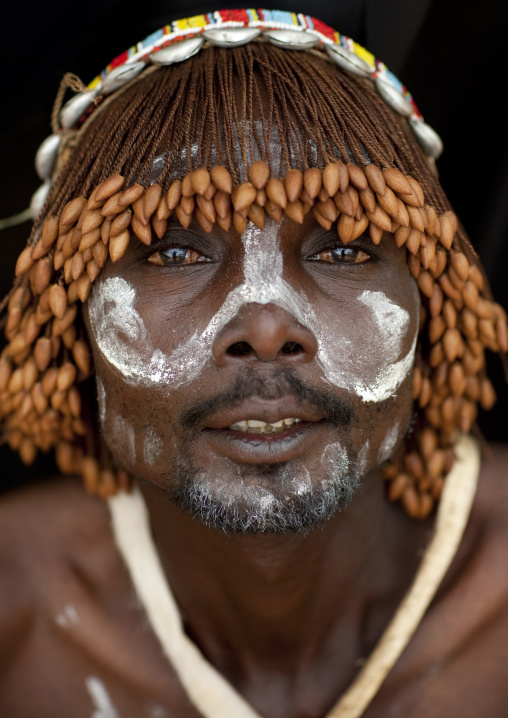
289	603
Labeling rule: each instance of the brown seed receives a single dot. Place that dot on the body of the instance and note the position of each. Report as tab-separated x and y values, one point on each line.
397	487
273	210
184	218
48	382
25	262
485	308
69	335
325	223
344	203
276	193
487	394
257	215
293	183
15	382
188	204
414	465
39	401
32	329
119	243
39	250
100	253
356	176
239	222
138	207
396	181
448	288
368	199
426	283
71	213
113	205
469	323
74	402
105	230
30	373
352	193
207	208
224	222
360	227
380	218
415	218
13	321
91	219
413	263
81	355
446	232
389	202
439	263
41	316
89	239
294	210
452	343
487	332
222	204
413	242
77	266
417	382
467	416
163	211
121	222
425	393
376	179
27	451
331	178
261	197
345	228
401	237
84	287
57	300
450	314
470	296
142	232
66	376
417	190
60	325
5	373
203	221
243	196
436	355
431	220
49	231
376	233
457	379
312	181
109	187
437	327
259	174
222	179
90	474
151	200
410	501
129	196
502	334
428	442
187	188
200	180
58	261
460	264
327	209
476	276
159	226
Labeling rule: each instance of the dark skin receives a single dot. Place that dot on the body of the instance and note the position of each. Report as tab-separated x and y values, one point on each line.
287	618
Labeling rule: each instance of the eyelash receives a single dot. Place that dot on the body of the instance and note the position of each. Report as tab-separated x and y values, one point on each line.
326	256
158	258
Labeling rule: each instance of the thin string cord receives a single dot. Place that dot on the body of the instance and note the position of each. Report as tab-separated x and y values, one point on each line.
206	688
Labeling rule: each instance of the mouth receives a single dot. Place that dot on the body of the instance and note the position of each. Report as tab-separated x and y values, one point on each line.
253	426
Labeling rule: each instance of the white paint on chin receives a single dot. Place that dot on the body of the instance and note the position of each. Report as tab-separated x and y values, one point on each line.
124	342
152	446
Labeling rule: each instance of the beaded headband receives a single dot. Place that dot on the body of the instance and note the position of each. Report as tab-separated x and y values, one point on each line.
48	356
182	39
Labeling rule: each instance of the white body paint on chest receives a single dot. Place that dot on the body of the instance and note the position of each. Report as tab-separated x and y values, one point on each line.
124	342
101	701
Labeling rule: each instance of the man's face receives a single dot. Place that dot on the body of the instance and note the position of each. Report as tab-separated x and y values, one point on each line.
256	379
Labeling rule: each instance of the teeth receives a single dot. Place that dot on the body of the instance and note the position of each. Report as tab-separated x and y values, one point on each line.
253	426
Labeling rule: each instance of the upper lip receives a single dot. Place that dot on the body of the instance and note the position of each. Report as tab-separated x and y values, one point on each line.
268	410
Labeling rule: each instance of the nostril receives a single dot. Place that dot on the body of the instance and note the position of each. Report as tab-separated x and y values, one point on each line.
239	349
291	349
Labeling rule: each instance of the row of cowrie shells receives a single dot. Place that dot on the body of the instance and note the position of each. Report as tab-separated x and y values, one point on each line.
182	50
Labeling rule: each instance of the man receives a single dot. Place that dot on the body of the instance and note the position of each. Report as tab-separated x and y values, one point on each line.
257	355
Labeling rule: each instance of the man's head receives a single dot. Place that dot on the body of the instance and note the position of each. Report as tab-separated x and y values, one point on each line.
258	351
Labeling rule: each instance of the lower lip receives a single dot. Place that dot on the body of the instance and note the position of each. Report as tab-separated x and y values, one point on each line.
250	448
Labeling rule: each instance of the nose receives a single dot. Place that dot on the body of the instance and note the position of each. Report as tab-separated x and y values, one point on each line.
265	332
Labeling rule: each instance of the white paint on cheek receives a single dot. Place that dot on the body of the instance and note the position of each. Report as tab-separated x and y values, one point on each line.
389	443
123	340
68	617
335	461
124	436
101	400
102	703
152	446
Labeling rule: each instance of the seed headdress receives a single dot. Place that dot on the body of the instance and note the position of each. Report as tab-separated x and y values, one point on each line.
212	119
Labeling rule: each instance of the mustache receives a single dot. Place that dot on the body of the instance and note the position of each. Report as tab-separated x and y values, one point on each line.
282	382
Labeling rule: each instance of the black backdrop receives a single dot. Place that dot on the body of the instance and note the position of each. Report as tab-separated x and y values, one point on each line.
450	54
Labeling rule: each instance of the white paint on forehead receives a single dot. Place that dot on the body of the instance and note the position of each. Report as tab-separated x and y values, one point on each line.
152	446
124	342
102	703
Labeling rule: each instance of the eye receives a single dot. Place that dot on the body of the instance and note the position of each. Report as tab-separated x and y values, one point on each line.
176	256
342	255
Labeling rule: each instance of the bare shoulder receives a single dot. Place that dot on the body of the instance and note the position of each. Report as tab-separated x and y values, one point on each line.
48	532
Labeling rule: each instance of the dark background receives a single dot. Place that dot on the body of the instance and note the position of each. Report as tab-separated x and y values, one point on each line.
450	54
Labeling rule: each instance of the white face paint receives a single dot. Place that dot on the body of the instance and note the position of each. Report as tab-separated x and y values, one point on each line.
68	617
124	436
152	446
389	443
101	400
124	342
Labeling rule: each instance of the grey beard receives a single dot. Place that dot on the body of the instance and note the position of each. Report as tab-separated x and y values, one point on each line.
253	509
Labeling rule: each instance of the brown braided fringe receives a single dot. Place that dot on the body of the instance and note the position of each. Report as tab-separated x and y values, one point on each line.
344	156
46	358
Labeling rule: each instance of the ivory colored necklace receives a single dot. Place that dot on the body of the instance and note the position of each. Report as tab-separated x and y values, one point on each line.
206	688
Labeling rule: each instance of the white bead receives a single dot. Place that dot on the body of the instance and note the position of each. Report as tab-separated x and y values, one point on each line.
430	141
347	60
120	76
393	97
38	199
46	155
292	39
178	52
231	36
75	108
